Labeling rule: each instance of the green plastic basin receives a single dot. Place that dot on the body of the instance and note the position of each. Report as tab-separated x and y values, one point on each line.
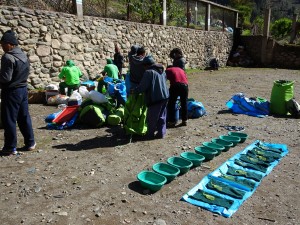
151	180
224	143
208	153
241	135
183	164
234	140
214	146
195	158
167	170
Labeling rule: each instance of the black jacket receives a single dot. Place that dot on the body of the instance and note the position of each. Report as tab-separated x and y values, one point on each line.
14	69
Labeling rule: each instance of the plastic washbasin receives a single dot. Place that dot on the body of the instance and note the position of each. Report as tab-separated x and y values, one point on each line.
183	164
195	158
151	180
167	170
241	135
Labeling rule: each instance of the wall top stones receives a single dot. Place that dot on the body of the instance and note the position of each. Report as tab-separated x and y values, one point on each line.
50	37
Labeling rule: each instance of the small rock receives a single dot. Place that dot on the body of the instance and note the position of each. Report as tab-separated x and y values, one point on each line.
62	213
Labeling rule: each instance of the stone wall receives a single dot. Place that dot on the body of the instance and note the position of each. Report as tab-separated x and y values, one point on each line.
277	55
51	38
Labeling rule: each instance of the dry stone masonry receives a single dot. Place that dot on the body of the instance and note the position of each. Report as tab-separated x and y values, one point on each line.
51	38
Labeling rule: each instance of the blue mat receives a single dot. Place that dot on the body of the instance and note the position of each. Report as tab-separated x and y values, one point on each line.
217	175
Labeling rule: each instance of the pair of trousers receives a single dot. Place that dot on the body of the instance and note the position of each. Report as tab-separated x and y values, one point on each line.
71	88
182	91
156	119
14	109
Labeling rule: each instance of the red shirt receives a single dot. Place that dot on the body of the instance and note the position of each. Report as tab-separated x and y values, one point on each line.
176	75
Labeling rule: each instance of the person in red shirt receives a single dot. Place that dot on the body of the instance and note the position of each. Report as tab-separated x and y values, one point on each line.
178	88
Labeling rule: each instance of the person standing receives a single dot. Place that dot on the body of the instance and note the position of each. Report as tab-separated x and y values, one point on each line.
136	67
118	60
153	84
178	88
71	75
14	96
178	59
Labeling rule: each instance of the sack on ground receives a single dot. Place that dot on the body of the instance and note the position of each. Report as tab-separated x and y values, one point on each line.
92	116
195	109
293	108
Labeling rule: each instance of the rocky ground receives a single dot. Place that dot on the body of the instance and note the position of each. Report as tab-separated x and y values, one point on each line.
88	176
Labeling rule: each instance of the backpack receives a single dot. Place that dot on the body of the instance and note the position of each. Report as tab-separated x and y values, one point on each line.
293	108
92	116
195	109
214	64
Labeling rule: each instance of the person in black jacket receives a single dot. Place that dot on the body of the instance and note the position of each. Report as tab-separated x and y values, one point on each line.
178	59
118	60
14	96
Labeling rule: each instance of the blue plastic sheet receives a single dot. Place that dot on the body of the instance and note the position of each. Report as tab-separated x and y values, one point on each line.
223	170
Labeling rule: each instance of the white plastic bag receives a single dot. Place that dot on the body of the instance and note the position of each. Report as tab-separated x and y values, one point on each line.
83	91
97	97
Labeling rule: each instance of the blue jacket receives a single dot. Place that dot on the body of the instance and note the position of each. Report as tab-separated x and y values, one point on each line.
154	85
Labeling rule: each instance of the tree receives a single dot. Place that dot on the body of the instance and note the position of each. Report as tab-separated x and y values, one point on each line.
281	28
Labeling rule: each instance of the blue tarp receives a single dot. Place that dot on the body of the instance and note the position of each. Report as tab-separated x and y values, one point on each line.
240	104
223	170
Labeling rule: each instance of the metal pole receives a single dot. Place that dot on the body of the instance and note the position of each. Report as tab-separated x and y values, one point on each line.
164	12
78	8
207	17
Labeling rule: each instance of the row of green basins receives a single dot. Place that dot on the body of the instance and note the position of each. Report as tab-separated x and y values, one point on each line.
164	172
221	144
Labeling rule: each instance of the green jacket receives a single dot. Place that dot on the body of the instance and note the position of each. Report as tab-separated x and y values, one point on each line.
70	73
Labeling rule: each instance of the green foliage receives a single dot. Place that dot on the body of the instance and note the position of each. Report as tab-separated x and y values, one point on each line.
246	32
281	28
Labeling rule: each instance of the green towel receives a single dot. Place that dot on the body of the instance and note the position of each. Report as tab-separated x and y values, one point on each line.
225	189
258	154
267	154
254	160
212	199
265	148
250	166
239	180
238	172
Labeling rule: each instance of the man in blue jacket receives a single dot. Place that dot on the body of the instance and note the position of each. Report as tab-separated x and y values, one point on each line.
153	84
14	97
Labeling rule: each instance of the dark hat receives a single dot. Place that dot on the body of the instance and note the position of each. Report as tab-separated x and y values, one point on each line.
148	60
141	51
9	37
133	49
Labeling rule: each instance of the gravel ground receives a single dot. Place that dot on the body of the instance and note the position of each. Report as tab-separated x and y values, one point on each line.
88	176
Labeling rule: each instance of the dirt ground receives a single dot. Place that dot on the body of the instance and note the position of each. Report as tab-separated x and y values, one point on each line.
88	176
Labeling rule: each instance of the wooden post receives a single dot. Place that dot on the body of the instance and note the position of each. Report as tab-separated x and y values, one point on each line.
267	22
265	37
294	33
188	17
207	17
236	19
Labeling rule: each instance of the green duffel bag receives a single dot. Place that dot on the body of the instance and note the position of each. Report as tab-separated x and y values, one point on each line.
92	116
282	92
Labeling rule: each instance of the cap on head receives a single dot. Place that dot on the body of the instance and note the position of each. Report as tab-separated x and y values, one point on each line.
109	61
70	63
9	37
